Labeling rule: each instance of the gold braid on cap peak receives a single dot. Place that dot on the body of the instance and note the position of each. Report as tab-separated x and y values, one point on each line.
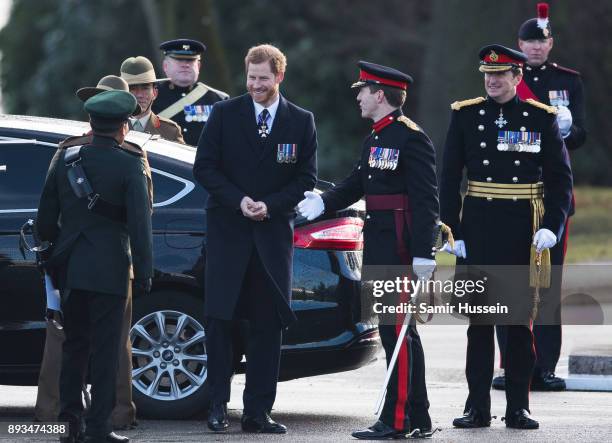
412	125
537	104
455	106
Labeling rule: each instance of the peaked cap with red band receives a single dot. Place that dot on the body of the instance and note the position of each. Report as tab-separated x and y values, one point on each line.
537	28
373	74
498	58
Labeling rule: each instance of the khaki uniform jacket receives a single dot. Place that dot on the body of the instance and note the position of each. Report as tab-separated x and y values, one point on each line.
165	128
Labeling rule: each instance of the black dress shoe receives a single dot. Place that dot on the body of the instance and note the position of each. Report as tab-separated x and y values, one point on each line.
499	383
521	420
217	417
262	424
109	438
547	381
473	419
379	431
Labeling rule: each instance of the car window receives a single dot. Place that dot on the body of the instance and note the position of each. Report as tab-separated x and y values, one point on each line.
23	168
168	188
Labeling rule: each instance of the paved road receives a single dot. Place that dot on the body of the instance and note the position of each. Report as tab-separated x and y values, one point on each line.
328	408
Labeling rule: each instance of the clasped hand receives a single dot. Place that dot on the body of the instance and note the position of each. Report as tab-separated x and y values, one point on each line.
253	210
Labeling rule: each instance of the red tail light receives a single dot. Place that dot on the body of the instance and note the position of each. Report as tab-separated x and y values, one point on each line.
340	234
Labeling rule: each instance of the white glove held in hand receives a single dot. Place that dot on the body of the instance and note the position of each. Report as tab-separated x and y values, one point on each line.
458	250
423	267
544	239
312	206
564	120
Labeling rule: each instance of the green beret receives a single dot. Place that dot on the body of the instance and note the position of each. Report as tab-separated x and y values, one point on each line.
114	105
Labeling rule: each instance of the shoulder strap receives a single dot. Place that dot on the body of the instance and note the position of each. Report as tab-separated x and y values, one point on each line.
412	125
176	107
455	106
537	104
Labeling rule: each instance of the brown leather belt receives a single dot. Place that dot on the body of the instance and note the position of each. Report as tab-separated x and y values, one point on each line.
400	204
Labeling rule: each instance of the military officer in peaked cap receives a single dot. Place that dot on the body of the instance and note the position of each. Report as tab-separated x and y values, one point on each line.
47	397
182	97
103	239
139	74
396	173
512	150
561	87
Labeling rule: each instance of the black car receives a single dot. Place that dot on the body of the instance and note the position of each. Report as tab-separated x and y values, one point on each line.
168	339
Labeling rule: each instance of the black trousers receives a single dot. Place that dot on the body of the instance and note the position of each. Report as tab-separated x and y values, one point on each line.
406	405
519	356
257	305
547	336
92	324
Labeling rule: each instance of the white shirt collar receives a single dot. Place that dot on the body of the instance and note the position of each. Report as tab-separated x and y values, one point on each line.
271	109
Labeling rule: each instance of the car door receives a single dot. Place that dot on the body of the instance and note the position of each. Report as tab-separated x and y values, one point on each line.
23	168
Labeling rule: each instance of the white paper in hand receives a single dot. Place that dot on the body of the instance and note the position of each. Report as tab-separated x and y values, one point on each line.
53	295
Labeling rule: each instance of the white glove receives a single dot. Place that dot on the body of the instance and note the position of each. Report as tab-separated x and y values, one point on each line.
312	206
564	120
458	250
544	239
423	267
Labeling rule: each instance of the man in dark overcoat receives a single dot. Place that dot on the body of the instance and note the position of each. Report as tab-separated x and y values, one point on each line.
512	151
397	175
256	158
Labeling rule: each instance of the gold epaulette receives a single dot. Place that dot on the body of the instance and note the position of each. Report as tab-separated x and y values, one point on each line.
537	104
412	125
455	106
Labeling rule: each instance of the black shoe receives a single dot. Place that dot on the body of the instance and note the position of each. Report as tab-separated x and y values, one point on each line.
217	417
547	381
262	424
499	383
472	419
109	438
521	420
379	431
76	430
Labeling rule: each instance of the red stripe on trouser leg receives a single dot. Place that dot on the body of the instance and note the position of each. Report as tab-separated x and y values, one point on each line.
403	382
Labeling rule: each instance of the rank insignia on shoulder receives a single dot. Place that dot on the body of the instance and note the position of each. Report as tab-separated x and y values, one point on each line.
537	104
383	158
412	125
455	106
286	153
519	141
197	113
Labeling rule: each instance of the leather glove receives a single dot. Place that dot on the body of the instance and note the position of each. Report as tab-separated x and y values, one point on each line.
544	239
423	267
564	120
141	286
312	206
458	250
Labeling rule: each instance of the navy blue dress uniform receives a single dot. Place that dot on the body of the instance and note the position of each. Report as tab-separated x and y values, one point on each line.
188	106
249	265
511	152
96	252
396	173
555	85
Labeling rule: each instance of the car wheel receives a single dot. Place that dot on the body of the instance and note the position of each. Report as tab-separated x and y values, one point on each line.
169	360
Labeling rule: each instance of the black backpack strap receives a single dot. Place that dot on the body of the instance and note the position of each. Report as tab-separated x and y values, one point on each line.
82	188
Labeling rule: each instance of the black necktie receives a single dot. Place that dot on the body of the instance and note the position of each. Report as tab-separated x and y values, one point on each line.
262	124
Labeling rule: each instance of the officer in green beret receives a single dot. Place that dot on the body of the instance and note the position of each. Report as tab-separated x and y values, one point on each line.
47	396
94	209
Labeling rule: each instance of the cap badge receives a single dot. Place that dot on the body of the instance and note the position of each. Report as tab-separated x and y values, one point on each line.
546	32
493	56
185	47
